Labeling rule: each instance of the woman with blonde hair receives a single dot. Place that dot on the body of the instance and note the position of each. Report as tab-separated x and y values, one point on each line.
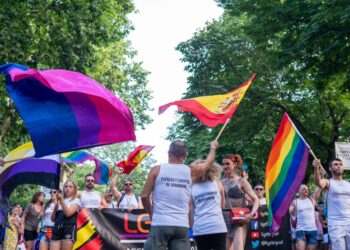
236	188
207	201
65	215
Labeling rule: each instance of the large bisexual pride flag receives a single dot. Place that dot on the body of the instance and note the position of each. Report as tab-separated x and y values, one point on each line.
66	110
44	171
285	171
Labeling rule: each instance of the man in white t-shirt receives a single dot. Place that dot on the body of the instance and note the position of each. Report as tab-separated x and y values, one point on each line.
338	203
90	198
170	185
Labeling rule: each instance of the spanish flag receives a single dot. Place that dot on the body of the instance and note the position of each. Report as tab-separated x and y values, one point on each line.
134	158
212	110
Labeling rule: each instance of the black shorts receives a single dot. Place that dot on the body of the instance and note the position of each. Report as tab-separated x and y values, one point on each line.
64	232
30	235
211	241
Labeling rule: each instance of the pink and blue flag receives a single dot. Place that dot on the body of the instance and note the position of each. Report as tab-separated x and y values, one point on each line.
66	110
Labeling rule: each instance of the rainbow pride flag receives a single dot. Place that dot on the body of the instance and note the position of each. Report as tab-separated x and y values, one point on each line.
102	171
285	171
66	110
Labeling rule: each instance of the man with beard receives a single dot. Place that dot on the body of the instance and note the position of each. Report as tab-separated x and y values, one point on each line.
126	199
90	198
338	203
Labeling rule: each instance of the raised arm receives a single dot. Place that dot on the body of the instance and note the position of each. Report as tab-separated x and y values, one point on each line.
200	168
113	185
292	208
148	189
321	183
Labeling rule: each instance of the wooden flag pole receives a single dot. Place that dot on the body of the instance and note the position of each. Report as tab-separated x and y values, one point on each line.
222	129
324	172
19	159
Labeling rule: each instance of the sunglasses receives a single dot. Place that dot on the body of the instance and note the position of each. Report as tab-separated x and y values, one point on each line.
127	184
53	192
258	189
110	195
90	181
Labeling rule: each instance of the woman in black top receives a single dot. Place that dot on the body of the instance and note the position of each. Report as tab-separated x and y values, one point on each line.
65	215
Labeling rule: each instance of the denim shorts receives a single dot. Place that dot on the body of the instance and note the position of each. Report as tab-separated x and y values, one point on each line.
310	237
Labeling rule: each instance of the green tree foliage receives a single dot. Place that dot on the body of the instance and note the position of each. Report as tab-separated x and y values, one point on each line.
85	36
300	52
80	35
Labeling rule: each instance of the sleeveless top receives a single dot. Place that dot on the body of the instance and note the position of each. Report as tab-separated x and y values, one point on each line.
338	201
47	222
305	213
90	199
128	201
32	219
171	196
233	194
208	218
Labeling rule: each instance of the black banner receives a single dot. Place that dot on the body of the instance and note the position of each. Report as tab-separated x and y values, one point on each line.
117	229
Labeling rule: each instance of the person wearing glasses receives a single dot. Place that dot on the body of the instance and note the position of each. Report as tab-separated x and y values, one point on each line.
46	223
126	199
108	197
260	191
91	198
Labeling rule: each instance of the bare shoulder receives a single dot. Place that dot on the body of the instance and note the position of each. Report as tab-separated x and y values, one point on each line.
154	171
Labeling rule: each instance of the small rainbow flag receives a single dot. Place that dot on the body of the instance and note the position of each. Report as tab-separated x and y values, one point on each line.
134	158
102	171
212	110
285	171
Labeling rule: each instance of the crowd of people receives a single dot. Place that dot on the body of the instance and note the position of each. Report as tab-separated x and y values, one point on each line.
179	197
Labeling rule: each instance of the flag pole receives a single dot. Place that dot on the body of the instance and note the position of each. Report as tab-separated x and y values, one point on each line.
222	129
18	159
321	167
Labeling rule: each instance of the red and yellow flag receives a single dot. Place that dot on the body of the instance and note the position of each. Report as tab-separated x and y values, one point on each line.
134	158
212	110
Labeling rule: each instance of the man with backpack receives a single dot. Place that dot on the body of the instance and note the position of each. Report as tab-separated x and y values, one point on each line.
126	199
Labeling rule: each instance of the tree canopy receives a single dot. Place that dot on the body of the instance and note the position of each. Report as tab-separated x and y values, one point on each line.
85	36
300	52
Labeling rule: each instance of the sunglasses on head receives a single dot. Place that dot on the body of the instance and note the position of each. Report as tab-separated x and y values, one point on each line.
128	184
53	192
90	181
259	189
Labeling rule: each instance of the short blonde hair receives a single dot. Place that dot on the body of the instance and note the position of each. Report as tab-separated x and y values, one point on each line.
213	172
